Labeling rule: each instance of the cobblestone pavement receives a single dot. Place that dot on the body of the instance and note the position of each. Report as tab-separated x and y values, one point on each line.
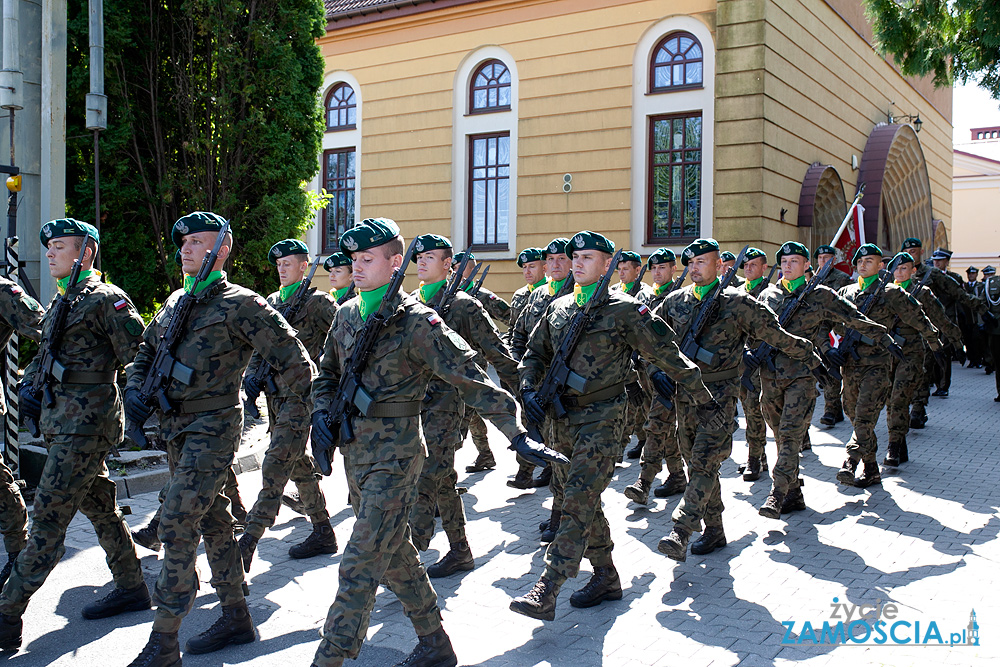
926	541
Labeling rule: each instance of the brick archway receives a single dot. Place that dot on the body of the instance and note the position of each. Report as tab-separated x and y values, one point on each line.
821	204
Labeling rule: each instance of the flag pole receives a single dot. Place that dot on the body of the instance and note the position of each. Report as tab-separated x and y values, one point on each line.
850	212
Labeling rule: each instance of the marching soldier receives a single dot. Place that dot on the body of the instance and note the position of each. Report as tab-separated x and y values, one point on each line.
866	380
991	318
637	406
20	313
728	262
497	308
706	443
531	261
384	461
789	389
442	410
833	412
227	323
589	434
339	266
288	415
79	415
991	359
754	270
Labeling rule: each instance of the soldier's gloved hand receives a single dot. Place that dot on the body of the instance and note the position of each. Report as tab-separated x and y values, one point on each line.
712	416
30	405
534	452
835	357
750	361
137	411
663	385
635	394
896	351
253	388
532	408
321	433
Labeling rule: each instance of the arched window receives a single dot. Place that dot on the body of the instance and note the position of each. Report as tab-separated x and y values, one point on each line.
490	88
341	109
677	63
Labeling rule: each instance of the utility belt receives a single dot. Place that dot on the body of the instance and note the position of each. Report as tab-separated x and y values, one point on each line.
593	397
61	375
721	376
209	404
393	409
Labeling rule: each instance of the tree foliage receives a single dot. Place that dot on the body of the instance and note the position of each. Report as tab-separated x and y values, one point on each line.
212	105
951	39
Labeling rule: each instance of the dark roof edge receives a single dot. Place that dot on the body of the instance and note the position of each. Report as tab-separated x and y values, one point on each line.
396	8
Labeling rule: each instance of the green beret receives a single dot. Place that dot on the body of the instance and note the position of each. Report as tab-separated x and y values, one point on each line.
824	250
199	221
989	271
866	250
335	260
630	256
587	240
699	247
530	255
912	243
557	246
367	234
285	249
727	257
459	256
903	258
427	242
752	253
661	256
972	269
54	229
791	248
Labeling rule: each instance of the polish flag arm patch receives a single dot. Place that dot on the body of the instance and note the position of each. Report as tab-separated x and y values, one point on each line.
121	303
434	319
15	290
643	309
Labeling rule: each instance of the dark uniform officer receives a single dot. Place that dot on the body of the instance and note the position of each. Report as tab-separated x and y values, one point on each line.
227	323
991	318
990	360
754	270
833	412
80	426
288	415
975	343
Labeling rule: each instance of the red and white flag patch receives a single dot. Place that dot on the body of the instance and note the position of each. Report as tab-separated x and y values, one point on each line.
643	309
15	290
434	319
121	303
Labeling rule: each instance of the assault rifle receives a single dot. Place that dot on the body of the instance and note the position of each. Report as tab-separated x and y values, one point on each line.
767	281
849	343
474	292
709	306
559	375
764	353
637	285
165	367
49	367
914	289
263	376
347	295
351	399
457	282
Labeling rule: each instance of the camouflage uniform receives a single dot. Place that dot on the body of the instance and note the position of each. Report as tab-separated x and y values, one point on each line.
497	308
866	380
227	323
952	296
441	420
635	415
831	386
101	334
20	313
739	317
589	434
756	432
288	420
500	311
383	464
517	304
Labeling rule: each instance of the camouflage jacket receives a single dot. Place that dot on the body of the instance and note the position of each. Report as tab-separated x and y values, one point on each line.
101	335
517	303
603	356
644	294
468	319
894	302
739	318
837	279
414	346
532	314
815	317
20	313
935	313
498	309
227	324
756	291
946	289
311	324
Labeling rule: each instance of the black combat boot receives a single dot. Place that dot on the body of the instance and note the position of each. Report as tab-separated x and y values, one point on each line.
712	538
904	452
320	541
162	650
604	585
638	492
794	501
636	451
675	544
918	417
870	476
941	393
119	601
846	473
751	472
433	650
248	546
10	632
147	537
522	480
772	506
8	567
676	483
293	501
892	456
458	559
483	462
831	417
234	627
543	479
539	602
550	527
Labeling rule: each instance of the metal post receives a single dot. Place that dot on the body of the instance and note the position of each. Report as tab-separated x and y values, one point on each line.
97	101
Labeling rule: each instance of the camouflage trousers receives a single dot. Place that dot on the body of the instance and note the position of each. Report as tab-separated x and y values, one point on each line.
194	506
13	513
704	451
74	478
906	377
831	395
661	443
592	450
635	418
480	436
286	458
379	549
788	406
866	389
436	487
756	426
230	488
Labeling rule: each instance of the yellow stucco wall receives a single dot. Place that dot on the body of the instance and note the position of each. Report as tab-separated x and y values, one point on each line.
975	237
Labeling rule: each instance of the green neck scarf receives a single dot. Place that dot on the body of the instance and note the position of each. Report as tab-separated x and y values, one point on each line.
865	282
792	285
541	282
751	285
906	283
427	292
627	286
338	294
700	292
62	283
556	285
370	301
660	289
286	292
212	277
583	293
